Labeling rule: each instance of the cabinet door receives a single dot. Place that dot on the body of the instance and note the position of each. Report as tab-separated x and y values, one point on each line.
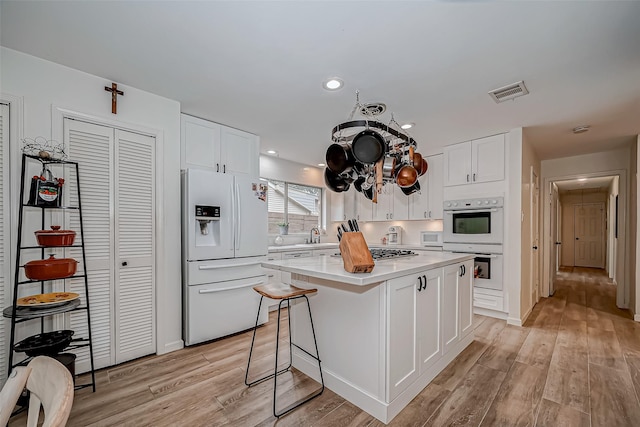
400	207
337	205
350	203
382	210
457	164
450	309
5	203
200	143
488	159
402	361
363	208
273	276
428	328
239	152
465	289
419	202
435	186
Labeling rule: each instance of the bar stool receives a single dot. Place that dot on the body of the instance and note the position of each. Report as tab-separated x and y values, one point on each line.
288	293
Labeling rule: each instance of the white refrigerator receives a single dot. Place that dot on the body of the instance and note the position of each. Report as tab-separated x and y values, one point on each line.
224	241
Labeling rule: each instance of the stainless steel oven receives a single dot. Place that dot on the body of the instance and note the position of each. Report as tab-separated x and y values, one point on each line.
474	220
488	263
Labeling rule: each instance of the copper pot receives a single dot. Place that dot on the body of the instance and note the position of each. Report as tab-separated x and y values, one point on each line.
424	167
407	176
55	237
50	269
417	161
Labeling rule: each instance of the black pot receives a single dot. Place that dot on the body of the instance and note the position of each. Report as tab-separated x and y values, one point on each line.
368	146
45	344
339	158
335	182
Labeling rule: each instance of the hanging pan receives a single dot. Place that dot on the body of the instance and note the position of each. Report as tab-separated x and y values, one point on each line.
339	158
368	146
334	181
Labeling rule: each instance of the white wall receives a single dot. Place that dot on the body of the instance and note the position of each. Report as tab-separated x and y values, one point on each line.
286	170
634	293
605	163
513	237
43	87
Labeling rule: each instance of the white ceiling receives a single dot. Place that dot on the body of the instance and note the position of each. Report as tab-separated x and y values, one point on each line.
258	66
600	183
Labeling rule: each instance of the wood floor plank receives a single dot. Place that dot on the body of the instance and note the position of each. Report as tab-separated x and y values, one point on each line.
613	398
633	363
489	330
346	415
628	333
503	351
537	348
552	414
309	413
420	409
468	403
451	376
604	349
568	385
573	333
518	397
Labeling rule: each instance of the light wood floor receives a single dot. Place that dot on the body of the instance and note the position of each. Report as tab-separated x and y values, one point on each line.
576	362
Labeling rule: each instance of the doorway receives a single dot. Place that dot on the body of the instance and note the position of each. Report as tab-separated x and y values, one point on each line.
583	218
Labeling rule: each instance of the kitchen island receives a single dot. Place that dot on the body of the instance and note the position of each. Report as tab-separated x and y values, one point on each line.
382	336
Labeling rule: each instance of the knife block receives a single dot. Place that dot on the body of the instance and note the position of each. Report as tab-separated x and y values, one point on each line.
355	253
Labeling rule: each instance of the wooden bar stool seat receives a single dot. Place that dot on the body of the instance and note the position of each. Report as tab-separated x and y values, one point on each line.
284	293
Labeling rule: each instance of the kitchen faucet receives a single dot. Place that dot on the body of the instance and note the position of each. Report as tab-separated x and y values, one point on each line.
311	234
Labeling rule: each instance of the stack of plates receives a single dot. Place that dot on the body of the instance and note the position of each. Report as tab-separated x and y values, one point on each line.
44	304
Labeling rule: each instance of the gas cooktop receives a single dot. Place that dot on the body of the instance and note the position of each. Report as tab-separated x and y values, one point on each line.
390	253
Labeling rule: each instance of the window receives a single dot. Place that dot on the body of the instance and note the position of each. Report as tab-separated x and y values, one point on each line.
298	205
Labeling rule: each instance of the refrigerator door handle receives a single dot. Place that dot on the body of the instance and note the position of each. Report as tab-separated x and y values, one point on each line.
215	267
211	291
238	214
233	216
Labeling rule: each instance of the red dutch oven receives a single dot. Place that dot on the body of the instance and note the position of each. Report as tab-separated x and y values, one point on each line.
50	269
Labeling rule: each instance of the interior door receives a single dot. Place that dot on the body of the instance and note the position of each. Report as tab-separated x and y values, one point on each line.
589	234
134	245
535	236
4	231
554	238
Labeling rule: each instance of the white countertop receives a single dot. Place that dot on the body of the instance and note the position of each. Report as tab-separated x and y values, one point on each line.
333	245
331	268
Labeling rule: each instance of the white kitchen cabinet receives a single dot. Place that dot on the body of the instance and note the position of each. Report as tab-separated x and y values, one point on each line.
208	145
471	162
273	276
429	318
325	252
428	203
392	204
363	208
457	304
402	345
342	204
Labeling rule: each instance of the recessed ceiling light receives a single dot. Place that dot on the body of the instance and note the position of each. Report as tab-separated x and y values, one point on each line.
272	152
580	129
408	125
321	165
582	179
333	83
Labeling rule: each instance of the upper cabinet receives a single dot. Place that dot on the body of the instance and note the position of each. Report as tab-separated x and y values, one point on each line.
480	160
205	144
428	203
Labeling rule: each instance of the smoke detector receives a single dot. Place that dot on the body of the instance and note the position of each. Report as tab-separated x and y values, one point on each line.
580	129
509	92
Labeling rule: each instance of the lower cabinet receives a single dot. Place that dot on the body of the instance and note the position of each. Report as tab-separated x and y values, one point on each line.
428	314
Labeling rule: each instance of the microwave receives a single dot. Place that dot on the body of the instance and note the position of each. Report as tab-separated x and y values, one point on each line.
431	238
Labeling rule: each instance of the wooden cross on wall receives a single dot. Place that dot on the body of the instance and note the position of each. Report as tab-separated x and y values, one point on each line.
114	96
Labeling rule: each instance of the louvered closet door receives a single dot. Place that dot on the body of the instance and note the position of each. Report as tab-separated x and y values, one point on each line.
4	233
134	249
92	147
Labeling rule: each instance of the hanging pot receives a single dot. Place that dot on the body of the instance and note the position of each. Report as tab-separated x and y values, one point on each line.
410	190
368	146
358	184
335	182
339	158
424	167
389	167
407	176
417	161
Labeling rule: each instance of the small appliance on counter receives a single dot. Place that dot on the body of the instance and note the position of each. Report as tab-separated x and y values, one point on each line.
394	236
431	238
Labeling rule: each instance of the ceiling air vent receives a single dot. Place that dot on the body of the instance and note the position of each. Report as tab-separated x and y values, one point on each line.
509	92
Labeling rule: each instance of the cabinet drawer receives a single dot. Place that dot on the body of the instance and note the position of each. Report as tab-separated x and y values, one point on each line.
490	302
298	254
223	269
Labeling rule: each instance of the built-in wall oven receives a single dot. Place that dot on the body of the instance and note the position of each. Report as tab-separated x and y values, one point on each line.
488	263
474	220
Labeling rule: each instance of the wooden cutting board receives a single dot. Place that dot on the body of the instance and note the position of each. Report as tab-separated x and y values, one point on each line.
355	253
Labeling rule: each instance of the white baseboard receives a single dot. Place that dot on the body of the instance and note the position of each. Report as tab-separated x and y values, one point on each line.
491	313
519	322
636	317
172	346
